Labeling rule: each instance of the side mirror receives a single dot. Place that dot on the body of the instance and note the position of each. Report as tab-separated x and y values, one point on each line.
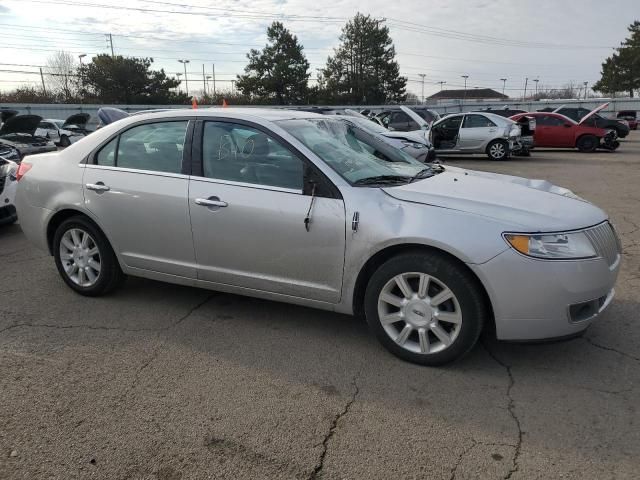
390	128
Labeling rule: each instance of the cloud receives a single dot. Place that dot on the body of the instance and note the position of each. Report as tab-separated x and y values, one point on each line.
4	10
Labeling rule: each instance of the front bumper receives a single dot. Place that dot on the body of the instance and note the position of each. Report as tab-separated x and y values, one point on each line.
541	299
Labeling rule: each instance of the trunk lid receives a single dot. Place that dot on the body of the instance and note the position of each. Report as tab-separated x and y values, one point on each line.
27	124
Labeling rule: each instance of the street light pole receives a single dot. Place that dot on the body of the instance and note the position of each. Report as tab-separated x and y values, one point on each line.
186	80
526	82
422	75
441	83
504	84
536	80
80	57
585	90
465	90
178	75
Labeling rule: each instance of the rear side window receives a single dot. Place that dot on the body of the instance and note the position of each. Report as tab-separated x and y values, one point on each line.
107	156
155	147
477	121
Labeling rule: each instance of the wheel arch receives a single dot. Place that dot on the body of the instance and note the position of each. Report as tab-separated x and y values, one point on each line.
60	216
391	251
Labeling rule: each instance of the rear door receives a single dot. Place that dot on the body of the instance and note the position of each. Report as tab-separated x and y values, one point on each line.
135	187
475	132
249	196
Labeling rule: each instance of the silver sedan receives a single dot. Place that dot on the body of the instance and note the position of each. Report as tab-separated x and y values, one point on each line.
301	208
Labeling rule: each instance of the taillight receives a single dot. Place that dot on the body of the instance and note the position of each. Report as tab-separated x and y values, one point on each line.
22	170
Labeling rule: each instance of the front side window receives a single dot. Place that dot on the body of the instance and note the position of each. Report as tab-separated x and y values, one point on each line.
154	146
549	121
477	121
239	153
452	123
352	152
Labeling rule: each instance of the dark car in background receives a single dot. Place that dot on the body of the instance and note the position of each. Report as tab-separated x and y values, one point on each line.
630	116
19	132
595	120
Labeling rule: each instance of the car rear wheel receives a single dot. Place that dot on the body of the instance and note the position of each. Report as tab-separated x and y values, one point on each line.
64	141
498	150
84	258
425	308
587	143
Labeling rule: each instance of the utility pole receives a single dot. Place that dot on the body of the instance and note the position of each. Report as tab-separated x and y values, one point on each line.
204	80
186	80
213	71
44	89
504	84
110	40
441	83
465	90
422	75
80	57
585	90
233	86
526	82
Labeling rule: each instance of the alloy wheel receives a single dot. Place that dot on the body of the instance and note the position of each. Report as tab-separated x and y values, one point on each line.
419	312
497	150
80	257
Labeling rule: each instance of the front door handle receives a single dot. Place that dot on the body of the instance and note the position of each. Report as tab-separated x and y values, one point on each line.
211	202
97	187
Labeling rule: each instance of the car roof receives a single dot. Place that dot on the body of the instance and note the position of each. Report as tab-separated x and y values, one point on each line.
271	114
552	114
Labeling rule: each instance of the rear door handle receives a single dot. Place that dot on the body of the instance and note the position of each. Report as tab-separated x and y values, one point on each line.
211	202
97	187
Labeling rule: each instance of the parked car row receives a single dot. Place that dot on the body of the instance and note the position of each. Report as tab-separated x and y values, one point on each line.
22	135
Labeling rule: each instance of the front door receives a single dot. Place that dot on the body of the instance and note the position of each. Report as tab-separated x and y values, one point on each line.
444	135
137	192
476	130
248	205
552	131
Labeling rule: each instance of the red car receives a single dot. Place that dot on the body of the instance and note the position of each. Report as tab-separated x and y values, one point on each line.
557	131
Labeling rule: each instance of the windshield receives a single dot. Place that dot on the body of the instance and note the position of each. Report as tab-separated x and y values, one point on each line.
352	152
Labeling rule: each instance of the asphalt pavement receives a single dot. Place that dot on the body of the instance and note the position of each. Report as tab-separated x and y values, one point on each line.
165	382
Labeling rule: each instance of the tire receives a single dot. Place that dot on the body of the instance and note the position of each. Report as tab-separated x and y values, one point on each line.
409	327
498	150
64	141
79	264
587	143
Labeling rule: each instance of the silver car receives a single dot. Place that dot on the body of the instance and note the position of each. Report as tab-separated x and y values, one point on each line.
475	132
297	207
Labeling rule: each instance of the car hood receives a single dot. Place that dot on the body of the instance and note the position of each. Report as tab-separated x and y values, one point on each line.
21	124
77	119
593	112
524	204
415	117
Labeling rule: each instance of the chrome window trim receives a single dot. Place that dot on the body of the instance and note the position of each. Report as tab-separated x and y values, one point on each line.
258	186
135	170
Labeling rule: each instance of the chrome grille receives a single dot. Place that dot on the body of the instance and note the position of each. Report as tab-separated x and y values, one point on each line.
605	241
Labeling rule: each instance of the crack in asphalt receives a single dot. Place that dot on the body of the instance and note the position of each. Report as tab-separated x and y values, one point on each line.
121	329
156	351
511	407
610	349
317	470
463	454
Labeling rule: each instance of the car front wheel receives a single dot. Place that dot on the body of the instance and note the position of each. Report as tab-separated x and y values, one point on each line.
587	143
425	308
84	258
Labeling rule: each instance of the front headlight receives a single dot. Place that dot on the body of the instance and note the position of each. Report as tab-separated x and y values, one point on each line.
552	246
515	131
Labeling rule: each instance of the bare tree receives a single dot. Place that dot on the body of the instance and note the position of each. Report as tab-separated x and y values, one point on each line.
62	74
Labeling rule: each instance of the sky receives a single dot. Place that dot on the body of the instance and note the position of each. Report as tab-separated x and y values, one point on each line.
554	41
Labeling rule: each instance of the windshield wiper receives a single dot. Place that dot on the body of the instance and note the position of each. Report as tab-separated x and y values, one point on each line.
427	172
382	180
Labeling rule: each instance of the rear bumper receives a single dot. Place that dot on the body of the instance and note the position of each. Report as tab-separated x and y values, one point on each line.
538	299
